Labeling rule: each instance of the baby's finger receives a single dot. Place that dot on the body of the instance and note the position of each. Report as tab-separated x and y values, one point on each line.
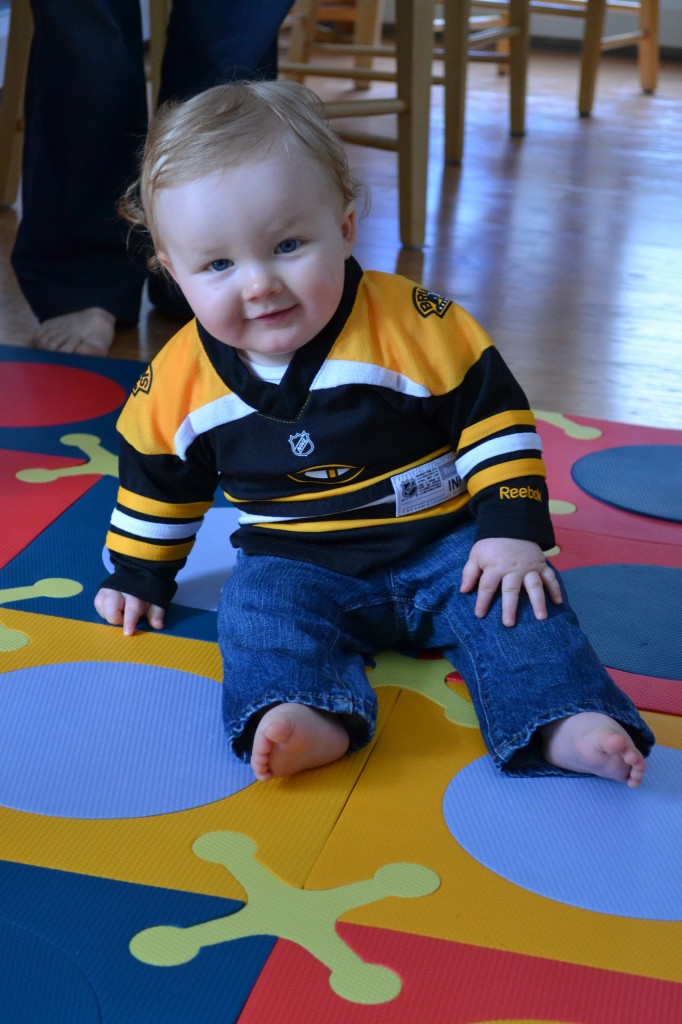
549	578
155	616
131	615
487	588
109	604
534	587
470	575
511	587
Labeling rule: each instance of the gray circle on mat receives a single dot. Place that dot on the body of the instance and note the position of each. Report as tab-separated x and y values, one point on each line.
632	615
644	478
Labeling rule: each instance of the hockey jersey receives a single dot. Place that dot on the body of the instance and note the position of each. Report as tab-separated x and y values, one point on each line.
388	429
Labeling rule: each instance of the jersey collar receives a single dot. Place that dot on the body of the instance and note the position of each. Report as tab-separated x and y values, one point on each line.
287	399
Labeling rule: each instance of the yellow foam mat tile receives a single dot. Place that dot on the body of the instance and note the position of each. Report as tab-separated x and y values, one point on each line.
53	640
289	819
395	814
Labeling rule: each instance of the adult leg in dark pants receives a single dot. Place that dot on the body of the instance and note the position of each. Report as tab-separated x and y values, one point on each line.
86	116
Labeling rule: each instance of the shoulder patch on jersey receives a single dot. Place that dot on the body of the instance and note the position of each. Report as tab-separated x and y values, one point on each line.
427	303
144	384
334	474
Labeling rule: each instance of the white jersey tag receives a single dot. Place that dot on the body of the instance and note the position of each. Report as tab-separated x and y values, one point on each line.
427	485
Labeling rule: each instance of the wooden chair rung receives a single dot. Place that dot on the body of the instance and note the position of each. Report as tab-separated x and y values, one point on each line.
595	41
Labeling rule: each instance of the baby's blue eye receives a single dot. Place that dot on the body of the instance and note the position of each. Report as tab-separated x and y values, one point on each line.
218	265
288	245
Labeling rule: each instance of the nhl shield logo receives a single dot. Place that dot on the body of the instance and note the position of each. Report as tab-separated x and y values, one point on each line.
301	443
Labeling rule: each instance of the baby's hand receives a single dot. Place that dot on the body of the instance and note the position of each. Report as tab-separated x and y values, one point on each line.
125	610
510	564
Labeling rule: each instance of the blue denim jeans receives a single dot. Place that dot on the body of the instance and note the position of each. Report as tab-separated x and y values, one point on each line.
293	632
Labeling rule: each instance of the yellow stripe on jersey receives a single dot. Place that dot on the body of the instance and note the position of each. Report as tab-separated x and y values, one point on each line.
150	552
331	526
151	416
493	425
349	488
505	471
161	509
390	330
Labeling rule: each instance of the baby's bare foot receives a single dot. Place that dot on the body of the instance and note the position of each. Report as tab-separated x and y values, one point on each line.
596	744
89	331
292	737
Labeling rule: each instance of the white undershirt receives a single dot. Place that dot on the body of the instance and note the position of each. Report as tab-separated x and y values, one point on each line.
264	371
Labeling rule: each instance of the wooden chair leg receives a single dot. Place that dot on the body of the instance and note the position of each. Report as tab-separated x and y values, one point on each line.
367	33
159	12
519	46
12	108
414	47
456	45
591	52
302	30
648	48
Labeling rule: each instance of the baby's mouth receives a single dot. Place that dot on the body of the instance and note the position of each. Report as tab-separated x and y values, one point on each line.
274	315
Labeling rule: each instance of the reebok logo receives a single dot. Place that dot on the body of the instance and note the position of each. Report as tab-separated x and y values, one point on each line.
521	492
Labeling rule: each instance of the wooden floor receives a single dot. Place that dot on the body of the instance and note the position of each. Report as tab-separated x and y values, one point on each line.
566	244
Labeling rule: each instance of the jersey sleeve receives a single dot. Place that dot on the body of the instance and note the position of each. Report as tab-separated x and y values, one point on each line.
498	449
160	506
167	477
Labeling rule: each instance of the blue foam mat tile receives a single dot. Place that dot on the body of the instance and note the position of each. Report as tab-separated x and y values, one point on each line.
71	548
45	438
64	953
125	371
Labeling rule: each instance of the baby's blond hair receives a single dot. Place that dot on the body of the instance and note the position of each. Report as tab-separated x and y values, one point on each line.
227	125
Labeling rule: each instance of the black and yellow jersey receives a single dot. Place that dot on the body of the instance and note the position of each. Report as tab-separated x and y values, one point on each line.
395	423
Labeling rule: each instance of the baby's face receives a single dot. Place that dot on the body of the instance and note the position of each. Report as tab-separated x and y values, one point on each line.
258	250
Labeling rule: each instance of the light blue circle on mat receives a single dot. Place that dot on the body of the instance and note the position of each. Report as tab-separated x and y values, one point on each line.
113	740
632	614
39	982
587	842
642	478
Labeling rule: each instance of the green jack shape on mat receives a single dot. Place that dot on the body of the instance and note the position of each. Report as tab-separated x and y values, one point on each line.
306	917
579	431
13	639
561	508
426	677
100	462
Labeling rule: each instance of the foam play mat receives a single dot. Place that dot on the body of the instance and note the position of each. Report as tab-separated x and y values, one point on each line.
146	878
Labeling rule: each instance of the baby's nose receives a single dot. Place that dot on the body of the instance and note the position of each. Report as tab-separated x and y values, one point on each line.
259	281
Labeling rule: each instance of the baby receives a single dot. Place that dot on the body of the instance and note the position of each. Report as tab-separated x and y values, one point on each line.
384	461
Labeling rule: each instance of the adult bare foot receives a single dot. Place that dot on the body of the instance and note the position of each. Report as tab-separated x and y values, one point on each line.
596	744
88	331
292	737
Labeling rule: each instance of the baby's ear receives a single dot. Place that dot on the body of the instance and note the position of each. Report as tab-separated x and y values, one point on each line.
165	262
349	228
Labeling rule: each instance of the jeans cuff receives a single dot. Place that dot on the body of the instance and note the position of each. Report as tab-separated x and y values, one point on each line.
522	755
358	718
